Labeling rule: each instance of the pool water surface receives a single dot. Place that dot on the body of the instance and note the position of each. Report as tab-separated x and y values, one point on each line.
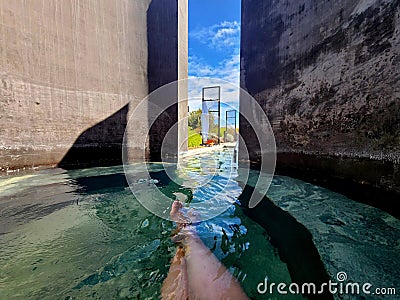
82	234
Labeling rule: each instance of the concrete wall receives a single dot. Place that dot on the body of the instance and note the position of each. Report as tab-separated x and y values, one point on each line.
183	58
68	70
168	58
327	75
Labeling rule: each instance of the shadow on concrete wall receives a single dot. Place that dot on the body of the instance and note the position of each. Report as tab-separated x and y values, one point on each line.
162	68
100	145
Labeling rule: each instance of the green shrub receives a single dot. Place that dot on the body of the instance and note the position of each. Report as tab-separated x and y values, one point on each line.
194	139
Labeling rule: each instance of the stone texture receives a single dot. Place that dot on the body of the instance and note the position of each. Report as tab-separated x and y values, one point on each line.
68	70
327	75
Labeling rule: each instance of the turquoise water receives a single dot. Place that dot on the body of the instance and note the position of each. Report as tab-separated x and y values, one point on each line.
81	234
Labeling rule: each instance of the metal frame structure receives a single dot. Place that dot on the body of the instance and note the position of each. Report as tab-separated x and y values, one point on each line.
219	106
226	121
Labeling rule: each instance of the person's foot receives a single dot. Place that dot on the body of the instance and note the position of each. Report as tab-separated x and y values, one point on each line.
184	223
194	216
176	213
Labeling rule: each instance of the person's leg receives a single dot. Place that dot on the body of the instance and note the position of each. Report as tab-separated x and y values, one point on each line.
175	286
207	276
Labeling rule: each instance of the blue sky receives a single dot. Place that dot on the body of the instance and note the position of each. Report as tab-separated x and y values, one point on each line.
214	45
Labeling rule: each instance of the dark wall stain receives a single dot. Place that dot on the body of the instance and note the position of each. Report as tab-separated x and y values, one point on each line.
327	76
377	31
261	30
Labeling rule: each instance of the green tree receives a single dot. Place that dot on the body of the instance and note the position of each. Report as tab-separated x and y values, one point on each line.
194	119
194	122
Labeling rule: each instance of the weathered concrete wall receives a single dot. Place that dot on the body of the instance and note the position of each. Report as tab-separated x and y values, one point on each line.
327	73
68	70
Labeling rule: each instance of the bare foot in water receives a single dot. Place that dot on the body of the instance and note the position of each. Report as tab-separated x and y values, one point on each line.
195	270
176	213
183	222
181	217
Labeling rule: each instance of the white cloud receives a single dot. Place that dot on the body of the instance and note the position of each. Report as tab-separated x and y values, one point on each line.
225	75
224	35
227	70
218	36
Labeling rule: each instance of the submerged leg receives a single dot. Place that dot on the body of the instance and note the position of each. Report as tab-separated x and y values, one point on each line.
175	286
207	277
